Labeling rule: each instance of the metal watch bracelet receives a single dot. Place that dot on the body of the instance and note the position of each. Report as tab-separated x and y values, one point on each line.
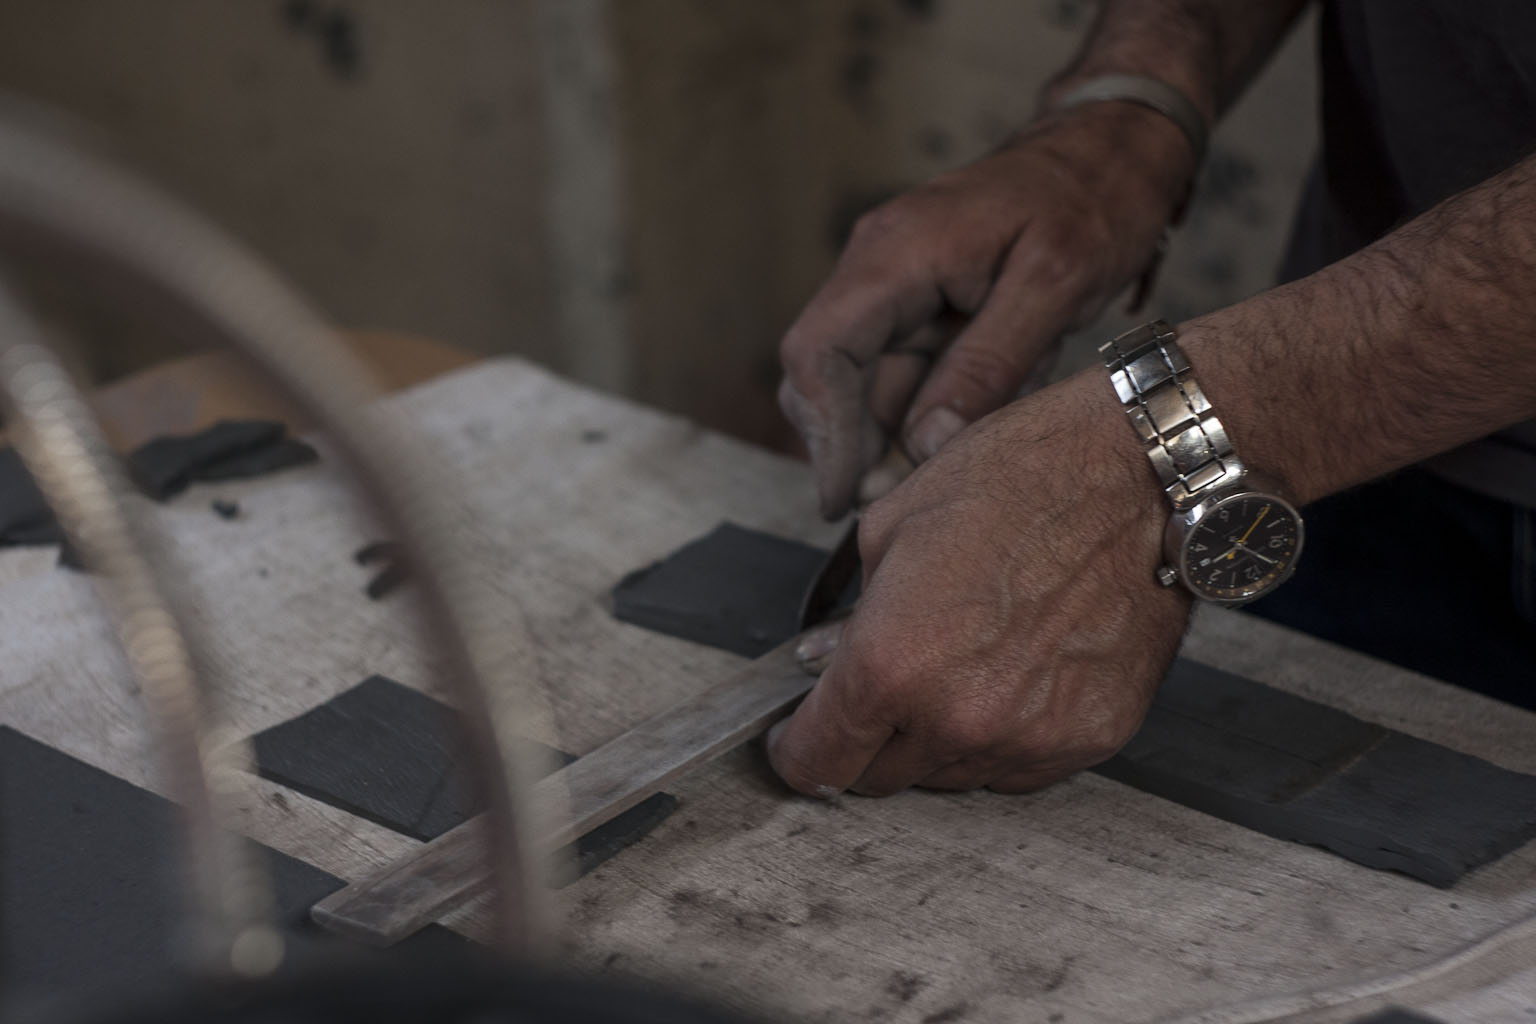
1186	443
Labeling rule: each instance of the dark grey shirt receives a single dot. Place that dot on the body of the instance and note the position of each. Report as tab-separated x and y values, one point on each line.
1420	100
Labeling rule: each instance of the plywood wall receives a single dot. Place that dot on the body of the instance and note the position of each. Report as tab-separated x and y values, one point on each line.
640	193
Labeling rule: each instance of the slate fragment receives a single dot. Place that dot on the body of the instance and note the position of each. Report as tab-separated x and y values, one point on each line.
390	754
162	468
394	572
228	450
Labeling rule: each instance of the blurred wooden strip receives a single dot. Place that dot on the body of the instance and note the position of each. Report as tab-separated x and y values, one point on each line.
187	394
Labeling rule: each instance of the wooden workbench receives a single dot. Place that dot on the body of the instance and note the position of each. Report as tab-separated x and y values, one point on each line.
1087	902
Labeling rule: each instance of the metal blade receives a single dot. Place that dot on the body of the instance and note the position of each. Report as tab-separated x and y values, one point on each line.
831	580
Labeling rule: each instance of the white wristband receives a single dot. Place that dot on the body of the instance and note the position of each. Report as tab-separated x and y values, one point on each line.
1147	92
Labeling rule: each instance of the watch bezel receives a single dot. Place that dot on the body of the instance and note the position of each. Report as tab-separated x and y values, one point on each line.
1183	523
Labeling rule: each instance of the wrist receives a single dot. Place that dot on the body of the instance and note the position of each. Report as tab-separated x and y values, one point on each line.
1146	155
1104	458
1262	420
1143	91
1182	56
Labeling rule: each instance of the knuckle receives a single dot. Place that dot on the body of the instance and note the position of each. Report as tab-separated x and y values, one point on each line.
797	408
800	349
1054	267
875	680
989	372
876	524
1069	253
966	730
1091	736
1099	743
1108	734
789	397
879	224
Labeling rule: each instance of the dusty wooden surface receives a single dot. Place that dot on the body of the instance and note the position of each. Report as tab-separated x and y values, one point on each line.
1089	901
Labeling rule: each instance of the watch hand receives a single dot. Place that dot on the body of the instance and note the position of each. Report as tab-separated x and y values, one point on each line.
1255	554
1254	525
1262	513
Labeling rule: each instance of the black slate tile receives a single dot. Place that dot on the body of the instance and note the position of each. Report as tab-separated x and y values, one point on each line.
390	754
89	894
734	588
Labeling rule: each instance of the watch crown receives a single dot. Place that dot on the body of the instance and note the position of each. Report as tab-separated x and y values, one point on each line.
1167	575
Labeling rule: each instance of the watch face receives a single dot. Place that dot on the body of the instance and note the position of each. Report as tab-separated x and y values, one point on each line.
1243	547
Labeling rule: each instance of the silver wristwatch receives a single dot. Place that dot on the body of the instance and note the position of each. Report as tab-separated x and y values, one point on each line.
1231	538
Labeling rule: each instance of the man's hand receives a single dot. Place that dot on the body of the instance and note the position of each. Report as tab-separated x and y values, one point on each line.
946	297
1011	631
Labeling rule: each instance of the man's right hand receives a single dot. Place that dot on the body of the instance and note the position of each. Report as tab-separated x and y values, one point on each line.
946	298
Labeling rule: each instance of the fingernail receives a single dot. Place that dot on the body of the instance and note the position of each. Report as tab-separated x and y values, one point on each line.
817	646
822	792
930	433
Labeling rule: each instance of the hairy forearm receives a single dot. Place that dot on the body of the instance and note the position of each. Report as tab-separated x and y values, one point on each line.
1209	49
1412	346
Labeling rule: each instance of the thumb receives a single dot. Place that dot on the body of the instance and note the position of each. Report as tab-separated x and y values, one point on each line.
829	741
